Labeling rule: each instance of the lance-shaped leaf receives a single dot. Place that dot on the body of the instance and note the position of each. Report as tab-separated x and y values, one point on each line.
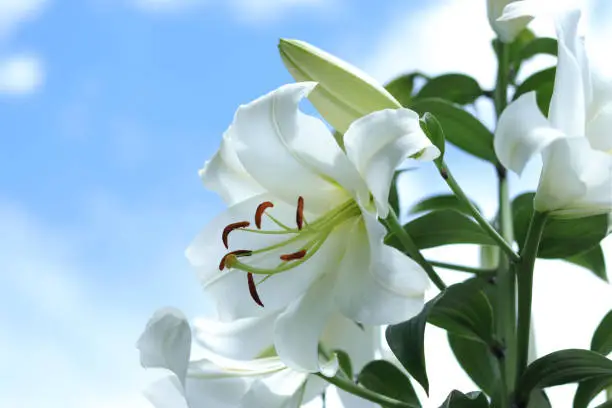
441	202
562	238
457	88
443	227
402	87
457	399
563	367
385	378
462	309
477	361
601	343
593	260
540	45
461	128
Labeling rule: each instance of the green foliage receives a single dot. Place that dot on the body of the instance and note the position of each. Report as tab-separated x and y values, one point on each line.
461	128
442	227
385	378
542	82
562	238
393	196
563	367
462	309
441	202
602	338
541	45
458	88
344	362
457	399
593	260
402	87
477	361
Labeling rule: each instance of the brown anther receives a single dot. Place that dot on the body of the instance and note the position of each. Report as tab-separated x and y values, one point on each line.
253	289
234	254
230	228
299	215
293	256
261	208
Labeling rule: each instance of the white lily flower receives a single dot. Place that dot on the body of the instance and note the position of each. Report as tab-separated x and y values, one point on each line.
326	253
575	141
229	375
509	17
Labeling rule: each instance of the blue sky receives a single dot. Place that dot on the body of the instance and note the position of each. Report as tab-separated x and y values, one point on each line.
107	110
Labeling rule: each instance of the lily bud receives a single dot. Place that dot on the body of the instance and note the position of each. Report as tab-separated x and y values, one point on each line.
344	93
507	19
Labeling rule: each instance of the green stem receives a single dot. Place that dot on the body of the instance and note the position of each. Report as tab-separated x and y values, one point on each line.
505	309
525	285
482	221
461	268
364	393
394	226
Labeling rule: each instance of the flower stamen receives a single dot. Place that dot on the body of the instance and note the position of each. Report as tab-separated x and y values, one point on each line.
253	289
230	228
292	257
299	215
229	258
261	208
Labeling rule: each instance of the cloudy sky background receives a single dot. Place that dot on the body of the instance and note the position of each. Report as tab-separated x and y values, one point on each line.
107	110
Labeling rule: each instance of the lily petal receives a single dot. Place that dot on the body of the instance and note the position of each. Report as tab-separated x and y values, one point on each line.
522	132
299	327
576	180
358	341
239	339
377	284
283	389
569	100
599	115
167	392
287	152
166	342
377	143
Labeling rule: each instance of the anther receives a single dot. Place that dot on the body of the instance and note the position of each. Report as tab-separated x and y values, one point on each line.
293	256
230	228
261	208
253	289
299	215
233	254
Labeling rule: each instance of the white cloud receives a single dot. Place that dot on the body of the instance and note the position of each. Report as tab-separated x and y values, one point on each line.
15	12
21	74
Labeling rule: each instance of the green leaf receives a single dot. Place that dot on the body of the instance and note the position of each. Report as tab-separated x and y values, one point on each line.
542	82
401	87
562	238
539	399
602	338
393	196
443	227
562	367
540	45
458	88
461	128
593	260
462	309
385	378
457	399
441	202
434	132
344	361
587	390
477	361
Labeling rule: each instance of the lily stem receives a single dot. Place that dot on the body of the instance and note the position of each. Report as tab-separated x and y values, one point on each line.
351	387
482	221
462	268
394	226
525	284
